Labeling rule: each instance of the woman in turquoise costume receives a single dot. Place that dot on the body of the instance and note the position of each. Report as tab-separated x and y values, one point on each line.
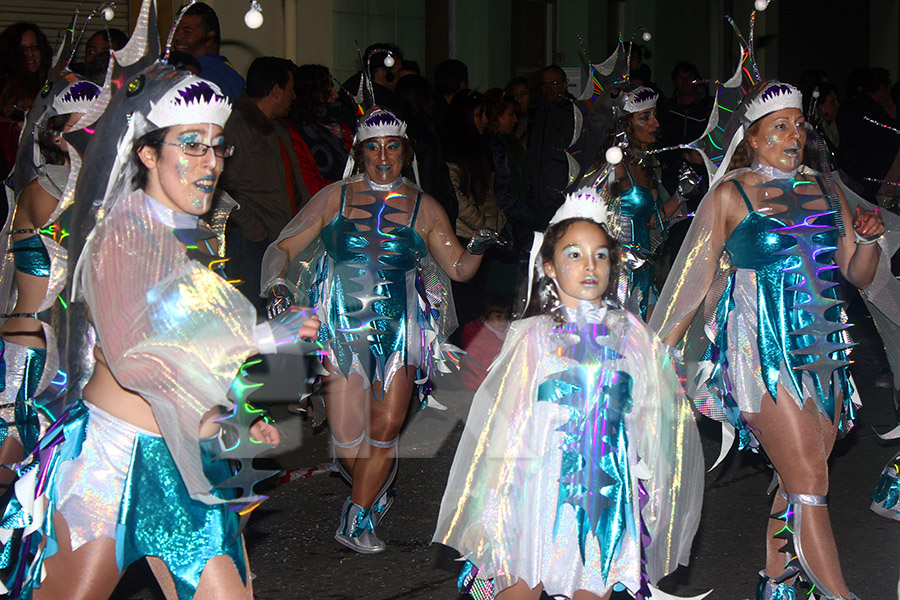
361	251
579	471
34	269
751	300
630	182
141	465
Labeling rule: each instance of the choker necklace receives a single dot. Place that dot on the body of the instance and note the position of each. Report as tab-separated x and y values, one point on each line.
383	187
772	172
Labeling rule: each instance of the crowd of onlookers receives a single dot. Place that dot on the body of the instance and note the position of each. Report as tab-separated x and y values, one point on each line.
498	159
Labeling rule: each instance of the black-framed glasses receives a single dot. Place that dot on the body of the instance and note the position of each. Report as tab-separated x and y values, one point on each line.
200	149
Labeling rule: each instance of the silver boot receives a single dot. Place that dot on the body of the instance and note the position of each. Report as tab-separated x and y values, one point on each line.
770	589
357	530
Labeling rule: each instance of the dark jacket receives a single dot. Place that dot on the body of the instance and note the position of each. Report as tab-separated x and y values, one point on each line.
255	176
551	129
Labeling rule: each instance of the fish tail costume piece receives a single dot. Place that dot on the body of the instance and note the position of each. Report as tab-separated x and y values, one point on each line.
171	329
385	305
579	467
636	219
29	377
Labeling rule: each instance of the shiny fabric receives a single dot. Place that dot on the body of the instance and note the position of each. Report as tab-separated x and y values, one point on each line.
886	497
579	461
178	336
30	256
372	256
24	372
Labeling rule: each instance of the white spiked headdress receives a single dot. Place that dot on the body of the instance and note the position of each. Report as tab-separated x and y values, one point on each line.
773	96
77	97
193	100
378	122
639	99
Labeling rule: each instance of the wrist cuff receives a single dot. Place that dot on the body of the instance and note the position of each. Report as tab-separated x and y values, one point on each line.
265	340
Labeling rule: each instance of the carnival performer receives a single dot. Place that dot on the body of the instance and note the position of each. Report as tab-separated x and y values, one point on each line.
34	271
638	203
580	468
767	346
138	472
361	251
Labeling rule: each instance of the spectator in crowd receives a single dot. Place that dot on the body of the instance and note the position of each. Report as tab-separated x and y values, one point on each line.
450	77
483	337
519	90
96	53
550	132
415	100
24	52
868	150
321	141
263	176
15	101
410	67
198	34
384	77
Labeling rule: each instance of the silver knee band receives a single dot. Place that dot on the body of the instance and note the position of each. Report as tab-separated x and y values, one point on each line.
378	444
352	444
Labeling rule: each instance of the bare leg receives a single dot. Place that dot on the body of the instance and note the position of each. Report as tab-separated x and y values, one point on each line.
345	401
88	573
798	442
385	418
583	595
520	591
10	452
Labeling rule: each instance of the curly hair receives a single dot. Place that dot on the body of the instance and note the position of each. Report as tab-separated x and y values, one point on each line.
544	303
743	153
312	84
12	60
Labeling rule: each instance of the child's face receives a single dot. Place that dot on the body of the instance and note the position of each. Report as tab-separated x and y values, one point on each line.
580	264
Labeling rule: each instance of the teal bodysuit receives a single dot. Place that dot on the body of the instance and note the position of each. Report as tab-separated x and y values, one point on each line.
374	266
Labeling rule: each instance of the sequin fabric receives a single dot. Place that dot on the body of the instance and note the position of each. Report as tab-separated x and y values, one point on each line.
571	423
178	336
20	414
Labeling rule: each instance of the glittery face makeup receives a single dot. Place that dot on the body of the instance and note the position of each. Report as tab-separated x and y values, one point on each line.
778	141
646	127
383	159
580	264
182	182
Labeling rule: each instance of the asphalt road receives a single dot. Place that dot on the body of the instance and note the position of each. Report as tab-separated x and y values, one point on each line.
293	553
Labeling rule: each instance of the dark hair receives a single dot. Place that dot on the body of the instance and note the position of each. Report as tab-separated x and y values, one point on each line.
357	153
312	83
412	66
154	140
743	153
874	78
498	107
376	54
554	233
413	95
266	72
496	303
12	61
466	147
449	75
557	68
183	60
685	67
624	123
825	88
47	138
116	38
208	19
18	95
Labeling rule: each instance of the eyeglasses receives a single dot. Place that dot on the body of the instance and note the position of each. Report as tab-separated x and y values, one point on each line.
200	149
33	49
549	83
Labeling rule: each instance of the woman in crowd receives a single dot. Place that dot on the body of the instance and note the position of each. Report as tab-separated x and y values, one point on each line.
759	262
321	140
361	251
135	469
579	470
639	205
518	89
24	51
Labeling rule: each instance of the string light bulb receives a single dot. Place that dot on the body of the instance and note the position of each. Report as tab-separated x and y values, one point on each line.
389	60
761	5
253	18
108	13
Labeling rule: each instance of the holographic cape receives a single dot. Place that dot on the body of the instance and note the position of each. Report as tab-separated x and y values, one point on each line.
428	316
701	288
580	465
171	329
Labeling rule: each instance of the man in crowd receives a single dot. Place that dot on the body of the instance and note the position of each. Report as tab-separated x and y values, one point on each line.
199	35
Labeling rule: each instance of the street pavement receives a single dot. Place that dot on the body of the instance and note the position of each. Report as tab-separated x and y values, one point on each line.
293	553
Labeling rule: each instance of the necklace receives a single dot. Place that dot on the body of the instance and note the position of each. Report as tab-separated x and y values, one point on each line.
772	172
383	187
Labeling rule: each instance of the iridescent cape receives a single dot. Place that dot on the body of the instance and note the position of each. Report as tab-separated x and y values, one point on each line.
526	414
171	329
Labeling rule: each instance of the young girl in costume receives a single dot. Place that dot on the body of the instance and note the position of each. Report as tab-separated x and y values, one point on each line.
579	471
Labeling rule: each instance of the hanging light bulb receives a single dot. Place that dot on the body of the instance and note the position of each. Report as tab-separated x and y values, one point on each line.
761	5
253	18
646	35
108	13
389	60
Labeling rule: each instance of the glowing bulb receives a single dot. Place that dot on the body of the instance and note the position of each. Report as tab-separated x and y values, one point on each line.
614	155
760	5
389	61
816	93
253	18
646	36
108	13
